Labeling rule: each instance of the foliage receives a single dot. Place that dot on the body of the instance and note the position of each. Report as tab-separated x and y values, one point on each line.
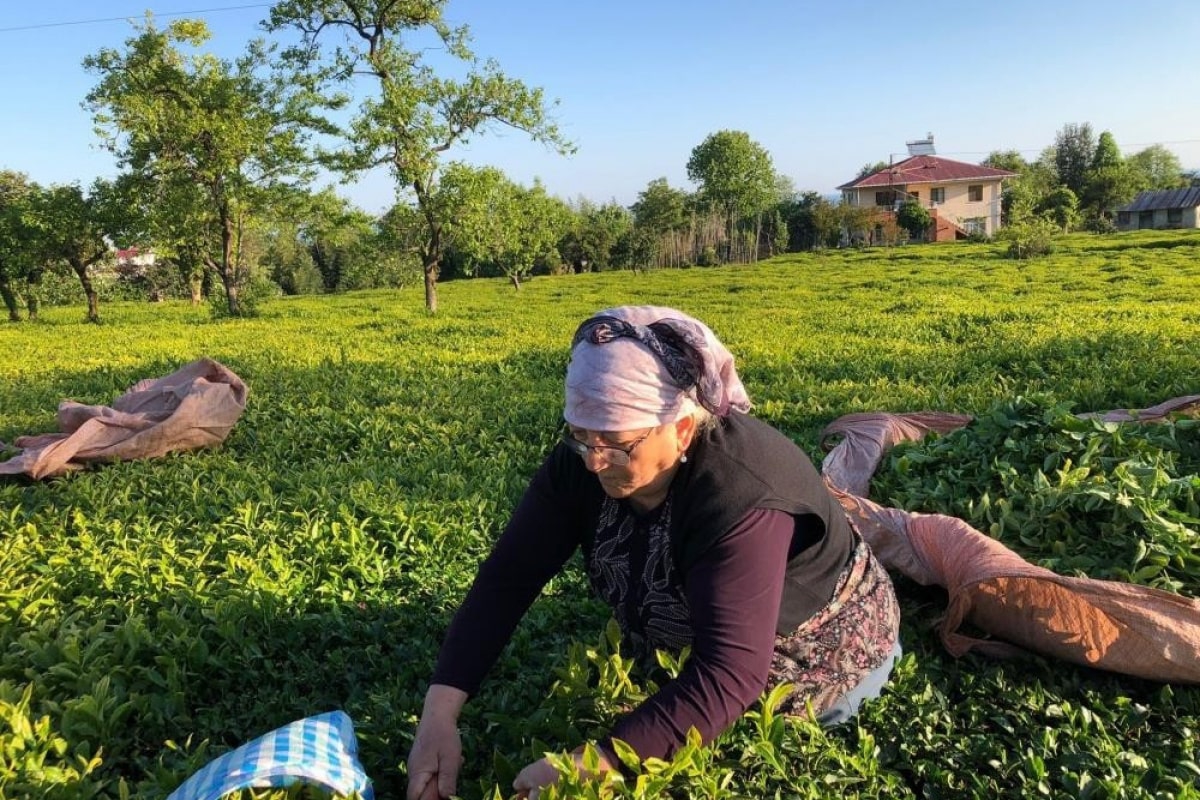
496	227
659	208
18	237
76	229
1061	207
914	218
1073	152
589	244
735	175
1034	237
416	114
1077	496
1110	182
158	613
1156	167
214	139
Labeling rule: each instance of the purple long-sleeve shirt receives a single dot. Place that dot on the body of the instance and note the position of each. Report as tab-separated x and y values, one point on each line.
733	591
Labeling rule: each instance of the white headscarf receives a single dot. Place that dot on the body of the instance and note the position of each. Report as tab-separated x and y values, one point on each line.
638	367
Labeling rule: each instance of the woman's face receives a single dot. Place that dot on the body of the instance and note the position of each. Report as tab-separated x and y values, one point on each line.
653	456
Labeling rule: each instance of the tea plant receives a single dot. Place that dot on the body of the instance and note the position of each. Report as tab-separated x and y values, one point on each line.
156	614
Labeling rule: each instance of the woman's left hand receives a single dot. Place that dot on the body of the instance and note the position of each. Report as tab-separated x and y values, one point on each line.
541	773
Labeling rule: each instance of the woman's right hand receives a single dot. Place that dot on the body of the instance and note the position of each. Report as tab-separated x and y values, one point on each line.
436	754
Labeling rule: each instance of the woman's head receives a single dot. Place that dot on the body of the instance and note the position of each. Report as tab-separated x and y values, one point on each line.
641	383
642	366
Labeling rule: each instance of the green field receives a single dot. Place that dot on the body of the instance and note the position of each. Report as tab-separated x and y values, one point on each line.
157	613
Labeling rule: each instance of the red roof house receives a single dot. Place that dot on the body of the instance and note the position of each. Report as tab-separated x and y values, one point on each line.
962	198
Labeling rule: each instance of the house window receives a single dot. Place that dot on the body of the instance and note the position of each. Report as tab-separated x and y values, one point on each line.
937	196
1174	216
884	198
1122	217
975	193
1145	219
975	226
916	196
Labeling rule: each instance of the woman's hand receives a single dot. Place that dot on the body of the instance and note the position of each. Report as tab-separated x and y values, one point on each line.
436	754
541	773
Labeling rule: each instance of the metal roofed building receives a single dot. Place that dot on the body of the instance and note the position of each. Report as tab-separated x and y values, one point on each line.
1164	208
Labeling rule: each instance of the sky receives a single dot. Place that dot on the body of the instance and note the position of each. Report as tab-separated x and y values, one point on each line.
825	87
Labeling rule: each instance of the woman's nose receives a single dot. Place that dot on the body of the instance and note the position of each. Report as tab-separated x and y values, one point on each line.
595	460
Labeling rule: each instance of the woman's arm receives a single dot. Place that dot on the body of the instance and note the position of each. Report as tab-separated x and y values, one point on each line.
733	593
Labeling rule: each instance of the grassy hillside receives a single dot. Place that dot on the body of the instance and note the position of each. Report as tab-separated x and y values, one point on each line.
154	614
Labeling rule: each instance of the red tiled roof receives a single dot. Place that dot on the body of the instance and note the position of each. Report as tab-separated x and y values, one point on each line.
927	169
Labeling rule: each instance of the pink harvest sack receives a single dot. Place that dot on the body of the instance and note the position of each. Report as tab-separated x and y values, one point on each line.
1125	628
194	407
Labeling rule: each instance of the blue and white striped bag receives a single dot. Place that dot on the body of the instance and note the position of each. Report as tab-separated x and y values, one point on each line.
319	750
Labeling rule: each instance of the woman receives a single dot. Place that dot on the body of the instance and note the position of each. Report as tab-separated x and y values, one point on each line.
701	526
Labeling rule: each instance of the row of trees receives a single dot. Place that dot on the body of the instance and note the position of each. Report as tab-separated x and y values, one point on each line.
217	158
1081	179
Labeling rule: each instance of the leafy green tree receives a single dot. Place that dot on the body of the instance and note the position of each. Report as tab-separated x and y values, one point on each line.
497	227
216	137
914	218
335	235
812	222
871	169
1074	151
588	245
1061	207
416	115
1010	160
76	229
660	208
1156	167
735	175
857	222
1109	180
18	237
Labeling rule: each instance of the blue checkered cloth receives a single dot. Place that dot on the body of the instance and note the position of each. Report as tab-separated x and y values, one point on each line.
319	750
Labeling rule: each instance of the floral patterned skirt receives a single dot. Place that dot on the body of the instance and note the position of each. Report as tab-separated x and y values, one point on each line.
831	652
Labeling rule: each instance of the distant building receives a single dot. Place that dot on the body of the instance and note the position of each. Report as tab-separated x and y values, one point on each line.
134	257
962	198
1166	208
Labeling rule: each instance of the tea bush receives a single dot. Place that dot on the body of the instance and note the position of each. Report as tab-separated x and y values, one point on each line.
155	614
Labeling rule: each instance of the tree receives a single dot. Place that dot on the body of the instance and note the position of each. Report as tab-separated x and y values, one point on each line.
1010	160
871	169
1061	207
416	116
659	208
497	227
812	222
1074	150
735	175
76	229
1156	167
1109	180
215	138
588	245
18	236
914	218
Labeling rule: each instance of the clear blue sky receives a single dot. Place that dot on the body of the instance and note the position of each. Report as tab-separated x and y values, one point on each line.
825	87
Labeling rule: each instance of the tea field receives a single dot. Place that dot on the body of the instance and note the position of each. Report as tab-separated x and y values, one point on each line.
155	614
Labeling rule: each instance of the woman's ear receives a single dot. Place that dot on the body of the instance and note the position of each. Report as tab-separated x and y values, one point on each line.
685	431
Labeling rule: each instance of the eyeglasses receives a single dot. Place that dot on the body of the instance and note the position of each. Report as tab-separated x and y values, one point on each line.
613	454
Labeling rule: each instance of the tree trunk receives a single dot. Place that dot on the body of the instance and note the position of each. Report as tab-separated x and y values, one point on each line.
32	306
10	300
85	280
516	281
431	286
228	272
196	288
